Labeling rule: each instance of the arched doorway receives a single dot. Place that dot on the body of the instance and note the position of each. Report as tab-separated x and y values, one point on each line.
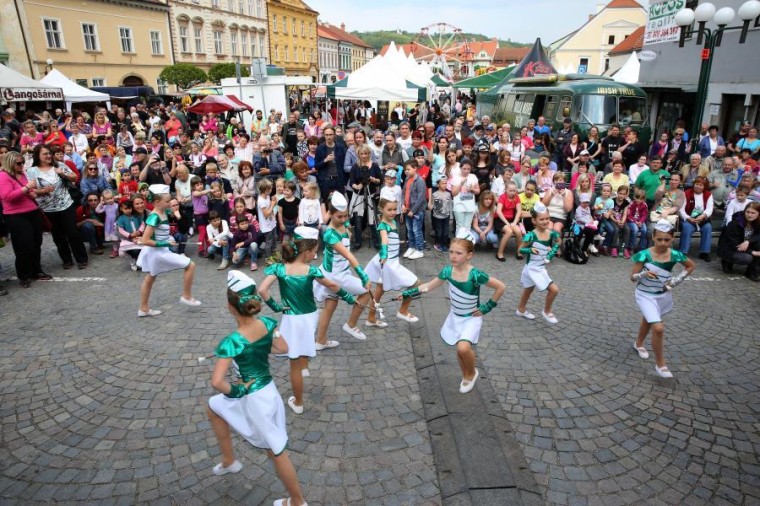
133	81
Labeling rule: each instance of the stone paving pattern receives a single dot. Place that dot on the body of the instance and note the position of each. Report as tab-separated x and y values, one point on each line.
100	407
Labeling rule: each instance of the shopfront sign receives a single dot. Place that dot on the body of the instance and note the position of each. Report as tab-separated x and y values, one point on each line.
661	23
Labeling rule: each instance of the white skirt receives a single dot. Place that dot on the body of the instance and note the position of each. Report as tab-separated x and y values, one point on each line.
259	417
155	261
298	330
461	328
654	306
535	276
393	276
344	278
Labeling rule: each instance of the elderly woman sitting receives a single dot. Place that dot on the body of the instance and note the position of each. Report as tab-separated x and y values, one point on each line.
696	211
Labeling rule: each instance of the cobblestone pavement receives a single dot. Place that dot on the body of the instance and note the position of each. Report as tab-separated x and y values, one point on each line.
99	406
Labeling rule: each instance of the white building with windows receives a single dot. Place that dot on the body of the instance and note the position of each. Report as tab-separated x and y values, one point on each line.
207	32
329	57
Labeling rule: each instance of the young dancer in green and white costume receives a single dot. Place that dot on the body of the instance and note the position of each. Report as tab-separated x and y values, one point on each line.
253	407
385	269
296	280
156	257
652	275
336	266
462	325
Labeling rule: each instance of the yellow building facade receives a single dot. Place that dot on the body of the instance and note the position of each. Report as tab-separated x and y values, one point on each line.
98	42
293	37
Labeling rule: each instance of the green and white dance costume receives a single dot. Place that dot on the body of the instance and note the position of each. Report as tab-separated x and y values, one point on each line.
256	413
460	325
392	275
299	323
337	268
158	259
653	298
534	272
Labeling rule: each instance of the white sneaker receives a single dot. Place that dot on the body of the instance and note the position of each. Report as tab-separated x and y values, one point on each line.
663	371
416	255
549	317
149	312
296	409
409	252
190	302
593	249
466	386
407	317
355	333
379	324
327	345
235	467
305	373
526	315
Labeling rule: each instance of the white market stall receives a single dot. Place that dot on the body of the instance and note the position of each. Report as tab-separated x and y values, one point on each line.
629	72
271	93
16	87
72	92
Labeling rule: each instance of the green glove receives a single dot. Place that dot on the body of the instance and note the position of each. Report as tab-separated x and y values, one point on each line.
487	307
346	297
362	275
162	244
526	251
274	305
237	391
384	252
411	292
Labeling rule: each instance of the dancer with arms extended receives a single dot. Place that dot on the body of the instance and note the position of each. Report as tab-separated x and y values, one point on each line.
462	325
299	321
652	274
253	408
156	257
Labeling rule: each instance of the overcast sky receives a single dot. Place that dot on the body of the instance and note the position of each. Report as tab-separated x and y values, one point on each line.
548	19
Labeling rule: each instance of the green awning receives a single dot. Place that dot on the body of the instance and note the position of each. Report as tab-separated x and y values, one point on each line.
439	81
492	93
485	80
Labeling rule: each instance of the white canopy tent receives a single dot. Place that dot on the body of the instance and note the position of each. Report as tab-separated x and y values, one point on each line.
380	79
72	92
16	87
629	72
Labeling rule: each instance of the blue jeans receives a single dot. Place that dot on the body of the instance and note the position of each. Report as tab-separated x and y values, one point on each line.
441	229
414	231
705	236
91	236
609	230
224	249
643	240
243	252
490	237
181	240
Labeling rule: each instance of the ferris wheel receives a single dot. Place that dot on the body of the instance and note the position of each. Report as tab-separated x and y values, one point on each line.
444	47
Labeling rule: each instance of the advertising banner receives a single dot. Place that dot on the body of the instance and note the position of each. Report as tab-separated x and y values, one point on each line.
661	24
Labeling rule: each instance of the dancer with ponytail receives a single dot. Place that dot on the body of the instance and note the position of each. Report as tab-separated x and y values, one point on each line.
462	325
253	407
652	273
299	321
156	257
336	266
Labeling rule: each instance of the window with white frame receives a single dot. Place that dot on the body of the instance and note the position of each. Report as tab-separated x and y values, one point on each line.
285	24
218	43
198	36
162	86
303	28
215	4
259	8
262	53
274	23
287	53
295	54
251	9
276	52
53	33
241	6
125	36
234	41
90	35
184	47
304	55
253	44
156	45
244	43
293	25
98	81
231	5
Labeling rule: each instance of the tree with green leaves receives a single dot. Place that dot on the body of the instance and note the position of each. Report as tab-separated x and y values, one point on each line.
221	70
183	75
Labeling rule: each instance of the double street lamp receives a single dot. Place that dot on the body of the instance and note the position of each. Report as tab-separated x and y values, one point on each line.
712	37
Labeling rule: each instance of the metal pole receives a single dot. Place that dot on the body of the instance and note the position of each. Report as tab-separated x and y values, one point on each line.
700	99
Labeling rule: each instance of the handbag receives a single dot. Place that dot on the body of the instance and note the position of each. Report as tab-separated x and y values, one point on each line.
46	225
73	189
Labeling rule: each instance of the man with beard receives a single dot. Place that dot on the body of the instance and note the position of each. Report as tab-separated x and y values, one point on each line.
611	143
290	138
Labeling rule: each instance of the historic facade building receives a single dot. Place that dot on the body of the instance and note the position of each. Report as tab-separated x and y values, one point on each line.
293	37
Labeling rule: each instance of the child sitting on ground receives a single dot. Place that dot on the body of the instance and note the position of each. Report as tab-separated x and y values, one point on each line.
218	232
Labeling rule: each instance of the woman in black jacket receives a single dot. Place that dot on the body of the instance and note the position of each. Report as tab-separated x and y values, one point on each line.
740	242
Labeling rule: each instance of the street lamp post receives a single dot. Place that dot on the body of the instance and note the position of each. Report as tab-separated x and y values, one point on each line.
712	38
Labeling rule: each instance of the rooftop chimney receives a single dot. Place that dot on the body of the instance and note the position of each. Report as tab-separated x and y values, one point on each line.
343	26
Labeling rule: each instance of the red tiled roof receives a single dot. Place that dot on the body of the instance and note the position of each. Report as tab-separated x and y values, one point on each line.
624	4
634	42
325	33
343	35
509	54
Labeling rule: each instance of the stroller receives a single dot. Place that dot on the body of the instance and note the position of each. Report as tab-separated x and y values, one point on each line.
573	247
